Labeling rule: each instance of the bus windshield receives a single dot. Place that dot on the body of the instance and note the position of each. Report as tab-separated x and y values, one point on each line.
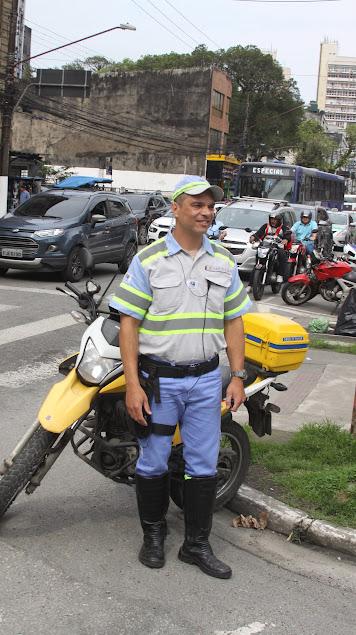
275	187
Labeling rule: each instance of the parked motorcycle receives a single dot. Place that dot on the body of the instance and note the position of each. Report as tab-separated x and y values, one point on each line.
333	279
266	267
87	410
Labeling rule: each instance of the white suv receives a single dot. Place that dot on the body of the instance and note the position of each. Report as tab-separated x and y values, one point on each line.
242	218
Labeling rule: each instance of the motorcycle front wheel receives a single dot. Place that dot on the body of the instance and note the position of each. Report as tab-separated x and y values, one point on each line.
296	294
257	285
24	466
232	467
276	287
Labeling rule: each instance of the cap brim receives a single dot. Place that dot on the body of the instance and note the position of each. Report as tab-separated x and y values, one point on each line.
217	192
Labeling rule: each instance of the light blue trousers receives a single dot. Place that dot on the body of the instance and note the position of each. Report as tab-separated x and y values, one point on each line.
194	402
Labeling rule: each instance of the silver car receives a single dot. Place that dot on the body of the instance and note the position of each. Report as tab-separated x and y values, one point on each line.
242	218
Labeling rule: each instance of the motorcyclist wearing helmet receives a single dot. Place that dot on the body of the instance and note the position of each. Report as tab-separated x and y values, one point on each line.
276	227
303	229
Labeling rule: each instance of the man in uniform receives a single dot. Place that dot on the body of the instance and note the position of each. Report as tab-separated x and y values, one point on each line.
181	303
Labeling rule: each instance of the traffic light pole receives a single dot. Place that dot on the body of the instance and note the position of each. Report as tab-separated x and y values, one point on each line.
7	107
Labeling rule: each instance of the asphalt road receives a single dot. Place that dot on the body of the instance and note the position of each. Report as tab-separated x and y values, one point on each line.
69	552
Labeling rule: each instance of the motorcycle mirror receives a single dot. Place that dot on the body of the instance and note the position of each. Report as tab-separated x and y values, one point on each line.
92	287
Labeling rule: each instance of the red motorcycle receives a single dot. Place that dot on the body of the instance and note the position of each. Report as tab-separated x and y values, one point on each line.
333	279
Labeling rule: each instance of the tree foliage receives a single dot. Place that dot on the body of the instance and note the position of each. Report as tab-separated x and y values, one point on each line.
315	147
94	63
351	147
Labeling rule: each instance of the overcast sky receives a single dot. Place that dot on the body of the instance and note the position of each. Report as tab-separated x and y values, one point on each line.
294	29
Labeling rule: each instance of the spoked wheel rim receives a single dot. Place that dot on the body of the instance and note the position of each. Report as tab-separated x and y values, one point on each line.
229	461
77	267
297	293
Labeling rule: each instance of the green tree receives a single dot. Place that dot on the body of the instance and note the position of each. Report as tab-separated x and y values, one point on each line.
315	147
351	147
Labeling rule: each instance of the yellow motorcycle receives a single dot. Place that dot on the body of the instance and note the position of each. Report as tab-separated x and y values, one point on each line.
87	407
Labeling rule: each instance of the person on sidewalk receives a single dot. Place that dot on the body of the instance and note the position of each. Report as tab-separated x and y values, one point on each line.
24	194
181	303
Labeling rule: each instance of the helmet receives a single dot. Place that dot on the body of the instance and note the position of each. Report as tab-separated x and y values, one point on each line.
275	216
306	214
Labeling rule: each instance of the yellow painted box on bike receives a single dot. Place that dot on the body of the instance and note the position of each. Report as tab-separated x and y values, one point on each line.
274	342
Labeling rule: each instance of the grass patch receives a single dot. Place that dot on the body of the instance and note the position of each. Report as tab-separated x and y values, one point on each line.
315	471
337	347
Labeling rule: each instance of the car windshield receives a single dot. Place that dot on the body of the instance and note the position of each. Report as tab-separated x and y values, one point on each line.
242	218
52	205
337	218
136	201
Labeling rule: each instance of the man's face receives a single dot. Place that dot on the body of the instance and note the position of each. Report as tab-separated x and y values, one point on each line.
194	214
305	220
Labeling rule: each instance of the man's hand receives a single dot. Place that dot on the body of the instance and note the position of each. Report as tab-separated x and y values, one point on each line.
252	238
235	394
137	404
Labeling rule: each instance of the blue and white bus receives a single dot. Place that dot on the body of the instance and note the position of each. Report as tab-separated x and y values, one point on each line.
291	183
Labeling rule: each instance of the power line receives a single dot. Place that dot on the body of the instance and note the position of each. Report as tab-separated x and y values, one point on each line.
63	37
286	1
161	24
172	22
191	23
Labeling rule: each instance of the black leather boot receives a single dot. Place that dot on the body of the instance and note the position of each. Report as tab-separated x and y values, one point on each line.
152	501
199	499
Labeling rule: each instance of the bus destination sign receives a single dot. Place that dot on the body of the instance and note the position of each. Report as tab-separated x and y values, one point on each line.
267	170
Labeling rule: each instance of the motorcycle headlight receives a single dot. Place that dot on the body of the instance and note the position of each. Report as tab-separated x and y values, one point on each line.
46	233
262	252
93	368
294	249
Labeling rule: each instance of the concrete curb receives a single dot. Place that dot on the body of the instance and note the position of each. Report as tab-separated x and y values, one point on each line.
285	520
332	339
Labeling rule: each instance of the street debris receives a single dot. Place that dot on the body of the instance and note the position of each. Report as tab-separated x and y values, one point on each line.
250	522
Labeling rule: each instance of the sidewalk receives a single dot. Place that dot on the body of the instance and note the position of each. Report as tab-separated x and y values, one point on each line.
322	388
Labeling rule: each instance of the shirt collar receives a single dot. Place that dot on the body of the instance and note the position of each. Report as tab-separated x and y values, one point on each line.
174	247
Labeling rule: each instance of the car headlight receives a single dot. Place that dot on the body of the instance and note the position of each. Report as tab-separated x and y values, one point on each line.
46	233
93	368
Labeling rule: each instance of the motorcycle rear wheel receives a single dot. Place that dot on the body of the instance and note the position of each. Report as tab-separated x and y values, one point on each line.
233	464
296	294
257	286
24	466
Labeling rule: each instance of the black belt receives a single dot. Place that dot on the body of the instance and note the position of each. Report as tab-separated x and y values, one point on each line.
156	369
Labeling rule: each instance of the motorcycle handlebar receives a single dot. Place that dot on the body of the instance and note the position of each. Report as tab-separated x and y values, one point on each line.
72	288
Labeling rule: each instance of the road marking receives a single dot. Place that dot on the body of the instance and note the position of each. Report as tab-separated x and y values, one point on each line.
295	311
5	287
31	373
250	629
23	331
7	307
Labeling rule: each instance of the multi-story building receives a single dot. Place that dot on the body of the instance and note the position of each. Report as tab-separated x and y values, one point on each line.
336	85
145	126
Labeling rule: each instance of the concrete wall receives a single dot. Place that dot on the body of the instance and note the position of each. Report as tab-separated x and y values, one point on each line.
145	121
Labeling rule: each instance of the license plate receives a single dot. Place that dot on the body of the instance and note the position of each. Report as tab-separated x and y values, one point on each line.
11	253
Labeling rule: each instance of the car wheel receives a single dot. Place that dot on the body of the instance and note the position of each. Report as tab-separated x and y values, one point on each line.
3	270
142	234
75	267
130	252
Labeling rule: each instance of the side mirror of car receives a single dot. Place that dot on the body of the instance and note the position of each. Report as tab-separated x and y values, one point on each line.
98	218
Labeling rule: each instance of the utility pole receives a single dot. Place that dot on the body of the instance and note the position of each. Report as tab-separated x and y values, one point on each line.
7	106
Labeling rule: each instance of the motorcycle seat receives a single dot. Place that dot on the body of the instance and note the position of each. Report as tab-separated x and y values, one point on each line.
350	277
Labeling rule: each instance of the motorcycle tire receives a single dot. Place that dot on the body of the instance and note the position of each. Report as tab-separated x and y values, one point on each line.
235	461
24	466
294	294
257	286
276	287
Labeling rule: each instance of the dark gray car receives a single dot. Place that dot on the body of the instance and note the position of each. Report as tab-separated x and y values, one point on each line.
147	207
52	230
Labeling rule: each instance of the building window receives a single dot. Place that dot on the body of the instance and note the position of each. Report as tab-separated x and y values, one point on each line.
215	141
217	104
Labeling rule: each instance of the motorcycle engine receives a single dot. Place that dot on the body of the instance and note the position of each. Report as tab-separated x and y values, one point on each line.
114	447
330	291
